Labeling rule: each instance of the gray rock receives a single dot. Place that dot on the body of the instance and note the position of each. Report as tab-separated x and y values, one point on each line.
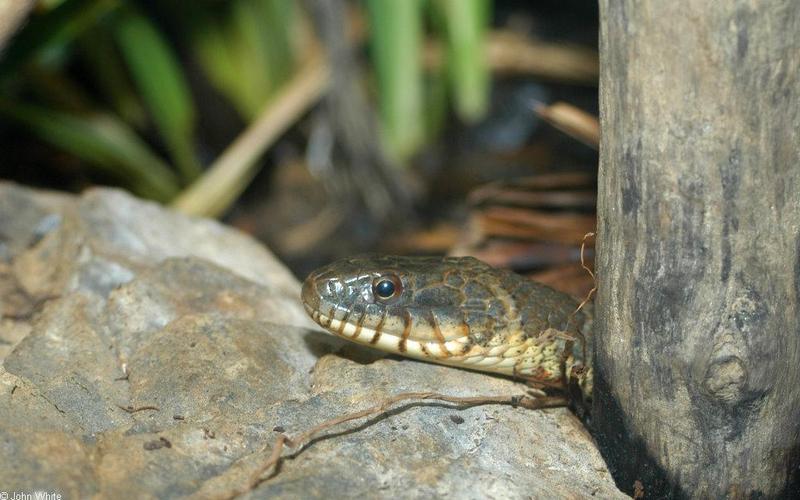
151	354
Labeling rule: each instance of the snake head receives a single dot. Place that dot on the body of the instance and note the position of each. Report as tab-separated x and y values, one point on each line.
400	304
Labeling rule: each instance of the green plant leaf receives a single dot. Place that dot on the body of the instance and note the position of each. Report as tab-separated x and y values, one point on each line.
162	86
245	47
279	19
396	41
250	40
96	47
211	45
104	142
466	24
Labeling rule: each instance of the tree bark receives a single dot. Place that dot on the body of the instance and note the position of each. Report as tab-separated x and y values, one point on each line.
697	356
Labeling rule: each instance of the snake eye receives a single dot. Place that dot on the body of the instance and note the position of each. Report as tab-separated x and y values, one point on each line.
387	287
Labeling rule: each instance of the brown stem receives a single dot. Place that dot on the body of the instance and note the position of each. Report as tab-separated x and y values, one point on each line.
297	442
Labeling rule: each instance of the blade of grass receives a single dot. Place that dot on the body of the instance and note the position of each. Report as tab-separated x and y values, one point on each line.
213	49
103	142
278	18
159	78
466	29
435	103
97	48
396	41
250	41
436	80
246	47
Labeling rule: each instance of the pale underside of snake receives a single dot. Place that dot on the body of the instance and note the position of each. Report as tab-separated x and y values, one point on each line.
455	311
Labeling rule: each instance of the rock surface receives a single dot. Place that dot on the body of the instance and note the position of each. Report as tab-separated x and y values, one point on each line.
149	354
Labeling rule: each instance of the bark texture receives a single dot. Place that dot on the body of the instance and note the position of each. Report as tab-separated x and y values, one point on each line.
698	342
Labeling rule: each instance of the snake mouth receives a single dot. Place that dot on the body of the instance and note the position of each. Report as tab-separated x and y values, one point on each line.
400	344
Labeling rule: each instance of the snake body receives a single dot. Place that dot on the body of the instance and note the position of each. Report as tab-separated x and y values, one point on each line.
455	311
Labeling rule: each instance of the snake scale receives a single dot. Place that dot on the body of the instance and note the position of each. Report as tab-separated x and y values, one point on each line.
456	311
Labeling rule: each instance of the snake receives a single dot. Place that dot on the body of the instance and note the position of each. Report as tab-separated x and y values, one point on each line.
455	311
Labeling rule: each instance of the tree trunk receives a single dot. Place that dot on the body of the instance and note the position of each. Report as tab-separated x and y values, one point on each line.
698	331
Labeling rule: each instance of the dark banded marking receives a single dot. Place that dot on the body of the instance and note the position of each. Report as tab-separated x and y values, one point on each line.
330	317
343	321
401	346
424	349
359	323
437	330
377	334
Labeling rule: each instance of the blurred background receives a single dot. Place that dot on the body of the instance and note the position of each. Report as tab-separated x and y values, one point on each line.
324	128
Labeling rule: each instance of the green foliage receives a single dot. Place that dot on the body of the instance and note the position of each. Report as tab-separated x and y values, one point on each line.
134	99
465	23
245	48
96	48
52	31
106	81
102	140
396	42
412	106
159	78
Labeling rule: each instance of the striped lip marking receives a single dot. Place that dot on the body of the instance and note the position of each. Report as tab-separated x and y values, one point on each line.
437	330
425	351
402	345
329	317
376	335
359	323
344	321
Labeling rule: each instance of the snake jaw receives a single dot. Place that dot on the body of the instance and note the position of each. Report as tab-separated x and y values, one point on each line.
429	351
530	361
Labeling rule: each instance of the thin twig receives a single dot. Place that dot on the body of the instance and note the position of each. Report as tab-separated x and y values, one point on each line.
131	409
583	265
585	300
589	295
221	184
302	439
510	53
571	120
